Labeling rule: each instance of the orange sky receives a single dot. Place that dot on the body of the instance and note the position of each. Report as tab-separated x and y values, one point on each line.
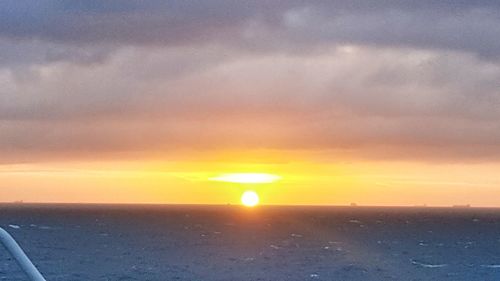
303	182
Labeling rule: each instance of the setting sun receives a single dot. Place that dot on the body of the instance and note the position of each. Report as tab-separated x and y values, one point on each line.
250	198
247	178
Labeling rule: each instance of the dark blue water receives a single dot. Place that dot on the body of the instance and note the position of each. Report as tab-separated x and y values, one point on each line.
92	242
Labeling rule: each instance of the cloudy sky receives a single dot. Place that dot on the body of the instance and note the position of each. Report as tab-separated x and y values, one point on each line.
384	93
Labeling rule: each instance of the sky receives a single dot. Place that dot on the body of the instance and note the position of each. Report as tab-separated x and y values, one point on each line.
373	102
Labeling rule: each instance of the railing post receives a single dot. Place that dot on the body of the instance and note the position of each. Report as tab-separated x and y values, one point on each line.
22	260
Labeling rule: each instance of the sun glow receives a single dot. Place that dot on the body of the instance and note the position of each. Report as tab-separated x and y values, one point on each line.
250	198
247	178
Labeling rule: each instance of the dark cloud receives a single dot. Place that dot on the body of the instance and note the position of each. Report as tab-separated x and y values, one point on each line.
15	53
378	79
271	25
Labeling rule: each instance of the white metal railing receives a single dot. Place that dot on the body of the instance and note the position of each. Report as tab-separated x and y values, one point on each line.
22	260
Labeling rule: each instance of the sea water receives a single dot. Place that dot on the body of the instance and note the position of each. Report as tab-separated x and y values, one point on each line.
156	242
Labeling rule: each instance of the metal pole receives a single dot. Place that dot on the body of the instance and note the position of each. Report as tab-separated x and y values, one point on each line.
22	260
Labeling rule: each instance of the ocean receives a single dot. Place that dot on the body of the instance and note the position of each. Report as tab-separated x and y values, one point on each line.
169	242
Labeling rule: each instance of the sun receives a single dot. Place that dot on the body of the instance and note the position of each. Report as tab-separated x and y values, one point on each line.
250	198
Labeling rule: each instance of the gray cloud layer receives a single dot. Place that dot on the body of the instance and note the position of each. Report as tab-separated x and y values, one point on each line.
391	79
471	26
